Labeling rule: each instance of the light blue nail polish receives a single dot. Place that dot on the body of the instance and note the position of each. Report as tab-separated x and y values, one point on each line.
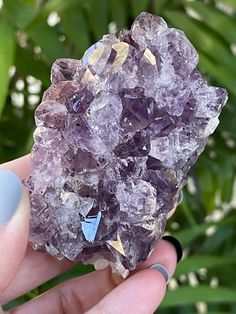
10	195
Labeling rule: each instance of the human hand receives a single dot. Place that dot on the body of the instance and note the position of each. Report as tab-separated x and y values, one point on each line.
22	268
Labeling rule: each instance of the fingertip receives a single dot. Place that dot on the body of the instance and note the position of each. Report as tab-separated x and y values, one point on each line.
164	253
22	166
13	241
142	293
144	284
10	195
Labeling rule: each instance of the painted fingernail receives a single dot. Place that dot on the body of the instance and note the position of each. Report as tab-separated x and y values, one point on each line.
163	270
10	195
176	244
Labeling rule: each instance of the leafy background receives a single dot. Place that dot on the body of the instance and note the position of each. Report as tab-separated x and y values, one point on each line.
33	33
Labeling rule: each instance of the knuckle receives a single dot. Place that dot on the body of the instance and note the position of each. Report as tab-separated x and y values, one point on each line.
69	302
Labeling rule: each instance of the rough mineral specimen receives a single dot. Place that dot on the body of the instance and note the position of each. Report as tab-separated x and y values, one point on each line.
116	135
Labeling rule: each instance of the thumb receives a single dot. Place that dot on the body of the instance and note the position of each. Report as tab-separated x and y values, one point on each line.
14	226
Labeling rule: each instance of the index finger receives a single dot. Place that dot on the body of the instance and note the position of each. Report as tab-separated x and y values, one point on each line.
143	292
21	166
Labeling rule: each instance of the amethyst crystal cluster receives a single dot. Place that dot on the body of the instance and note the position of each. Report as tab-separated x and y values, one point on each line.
116	135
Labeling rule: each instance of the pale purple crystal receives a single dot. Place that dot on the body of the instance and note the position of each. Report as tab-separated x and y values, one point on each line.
116	135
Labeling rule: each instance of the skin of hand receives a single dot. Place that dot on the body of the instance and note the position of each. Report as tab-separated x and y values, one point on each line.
22	268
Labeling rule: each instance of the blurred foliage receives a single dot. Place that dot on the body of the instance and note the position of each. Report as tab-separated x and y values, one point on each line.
33	33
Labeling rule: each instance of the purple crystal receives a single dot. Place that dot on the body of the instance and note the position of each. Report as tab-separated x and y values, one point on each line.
116	135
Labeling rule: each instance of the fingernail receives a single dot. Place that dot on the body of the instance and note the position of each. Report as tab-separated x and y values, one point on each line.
10	195
176	244
163	270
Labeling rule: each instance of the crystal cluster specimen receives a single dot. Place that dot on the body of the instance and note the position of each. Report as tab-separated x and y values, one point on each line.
116	135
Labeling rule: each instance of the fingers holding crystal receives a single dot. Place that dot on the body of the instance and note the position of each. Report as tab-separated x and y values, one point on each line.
132	295
148	282
14	236
111	293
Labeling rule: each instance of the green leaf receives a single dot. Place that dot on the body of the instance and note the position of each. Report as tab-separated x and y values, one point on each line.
188	295
187	210
218	240
118	13
15	303
138	6
223	24
7	53
160	5
58	6
217	71
193	263
217	312
228	114
225	171
98	16
46	7
20	12
26	63
210	312
188	235
207	183
76	30
76	271
226	190
47	38
228	3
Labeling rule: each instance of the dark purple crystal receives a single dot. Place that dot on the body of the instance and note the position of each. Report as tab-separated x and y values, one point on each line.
116	135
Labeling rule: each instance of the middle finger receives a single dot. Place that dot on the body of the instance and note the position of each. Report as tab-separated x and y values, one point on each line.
35	269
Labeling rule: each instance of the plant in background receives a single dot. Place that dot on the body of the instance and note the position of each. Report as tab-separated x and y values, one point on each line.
33	33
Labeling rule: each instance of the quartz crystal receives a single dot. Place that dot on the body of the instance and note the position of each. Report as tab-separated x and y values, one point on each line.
117	133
